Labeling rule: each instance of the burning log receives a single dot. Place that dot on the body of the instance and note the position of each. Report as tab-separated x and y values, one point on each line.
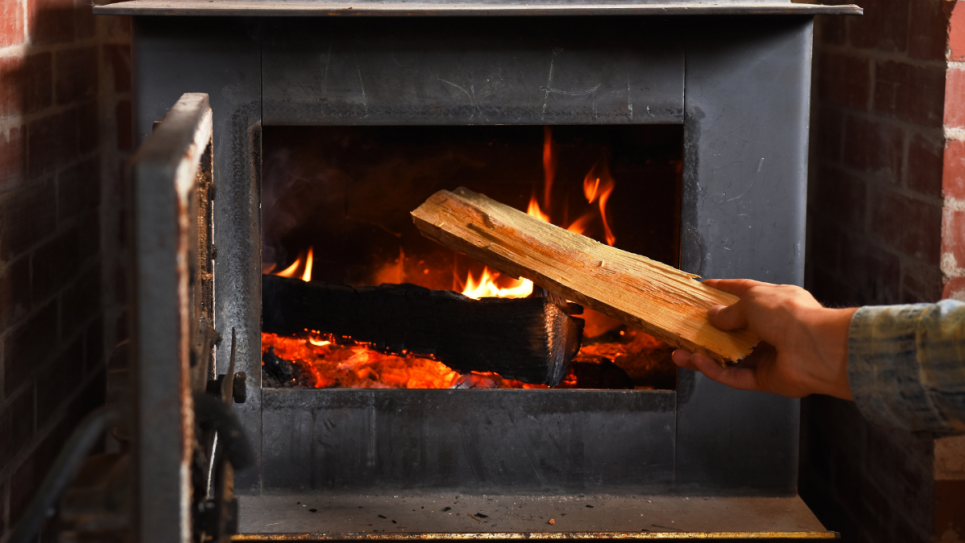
527	339
659	299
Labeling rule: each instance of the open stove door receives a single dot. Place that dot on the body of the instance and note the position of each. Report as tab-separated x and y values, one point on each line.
184	434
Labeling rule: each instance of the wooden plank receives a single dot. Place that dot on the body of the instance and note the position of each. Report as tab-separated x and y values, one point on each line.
658	299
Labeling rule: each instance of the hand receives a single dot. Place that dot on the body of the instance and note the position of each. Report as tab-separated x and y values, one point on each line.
804	348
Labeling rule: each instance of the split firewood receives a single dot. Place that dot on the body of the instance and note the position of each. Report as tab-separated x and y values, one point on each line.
658	299
528	339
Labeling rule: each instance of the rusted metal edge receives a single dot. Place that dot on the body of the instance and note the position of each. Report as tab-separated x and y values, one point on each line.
472	536
208	8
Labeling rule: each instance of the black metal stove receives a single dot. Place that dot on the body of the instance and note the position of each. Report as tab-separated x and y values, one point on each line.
735	76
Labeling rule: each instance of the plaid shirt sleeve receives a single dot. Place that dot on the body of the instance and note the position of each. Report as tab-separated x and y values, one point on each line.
906	365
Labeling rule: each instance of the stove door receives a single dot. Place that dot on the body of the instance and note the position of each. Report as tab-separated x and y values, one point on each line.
174	337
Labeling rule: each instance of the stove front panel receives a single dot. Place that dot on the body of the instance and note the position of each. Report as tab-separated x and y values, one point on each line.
472	71
739	85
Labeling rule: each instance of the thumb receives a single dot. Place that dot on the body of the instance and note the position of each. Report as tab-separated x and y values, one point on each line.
728	317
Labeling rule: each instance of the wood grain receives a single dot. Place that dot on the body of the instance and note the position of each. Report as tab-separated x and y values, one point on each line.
658	299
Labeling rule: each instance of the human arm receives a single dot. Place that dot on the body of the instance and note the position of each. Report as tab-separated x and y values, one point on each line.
806	345
903	365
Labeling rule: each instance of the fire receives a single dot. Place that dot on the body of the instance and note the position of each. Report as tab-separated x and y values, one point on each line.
346	364
534	211
597	185
306	273
549	166
486	287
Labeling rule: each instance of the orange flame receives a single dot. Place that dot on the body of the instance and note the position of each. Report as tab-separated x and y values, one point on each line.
486	287
599	186
534	211
549	166
306	274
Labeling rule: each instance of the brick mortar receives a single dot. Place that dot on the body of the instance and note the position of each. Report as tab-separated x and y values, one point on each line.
26	48
954	133
879	56
6	472
931	132
51	176
90	264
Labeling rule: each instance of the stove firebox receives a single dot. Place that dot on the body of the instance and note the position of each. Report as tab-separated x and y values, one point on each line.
729	92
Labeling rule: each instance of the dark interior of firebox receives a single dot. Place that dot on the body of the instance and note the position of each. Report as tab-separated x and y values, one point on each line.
335	211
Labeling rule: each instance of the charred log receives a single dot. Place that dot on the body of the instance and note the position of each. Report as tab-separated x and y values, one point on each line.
277	372
529	339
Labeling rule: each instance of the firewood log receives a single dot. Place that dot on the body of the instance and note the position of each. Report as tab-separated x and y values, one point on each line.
528	339
658	299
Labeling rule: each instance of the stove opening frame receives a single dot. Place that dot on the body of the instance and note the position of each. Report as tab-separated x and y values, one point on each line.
743	98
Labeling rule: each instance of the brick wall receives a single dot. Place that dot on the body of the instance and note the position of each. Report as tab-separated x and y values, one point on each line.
885	226
64	132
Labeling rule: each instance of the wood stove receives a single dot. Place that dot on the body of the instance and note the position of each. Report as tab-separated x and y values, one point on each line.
726	83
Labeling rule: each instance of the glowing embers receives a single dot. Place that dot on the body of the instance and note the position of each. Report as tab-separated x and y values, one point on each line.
617	359
311	361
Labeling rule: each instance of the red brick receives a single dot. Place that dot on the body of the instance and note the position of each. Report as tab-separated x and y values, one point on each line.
85	24
953	182
14	292
927	29
953	236
94	359
75	74
829	128
78	189
55	265
911	226
949	504
955	103
26	216
911	93
956	33
16	426
839	196
51	21
81	302
13	159
88	126
125	126
28	347
27	84
37	90
873	275
921	284
955	289
116	27
831	30
884	25
11	22
51	142
844	80
826	243
874	147
924	170
57	382
118	58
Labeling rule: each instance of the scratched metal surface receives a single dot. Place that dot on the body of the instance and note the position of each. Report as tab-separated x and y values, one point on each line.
483	440
434	512
469	71
463	8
